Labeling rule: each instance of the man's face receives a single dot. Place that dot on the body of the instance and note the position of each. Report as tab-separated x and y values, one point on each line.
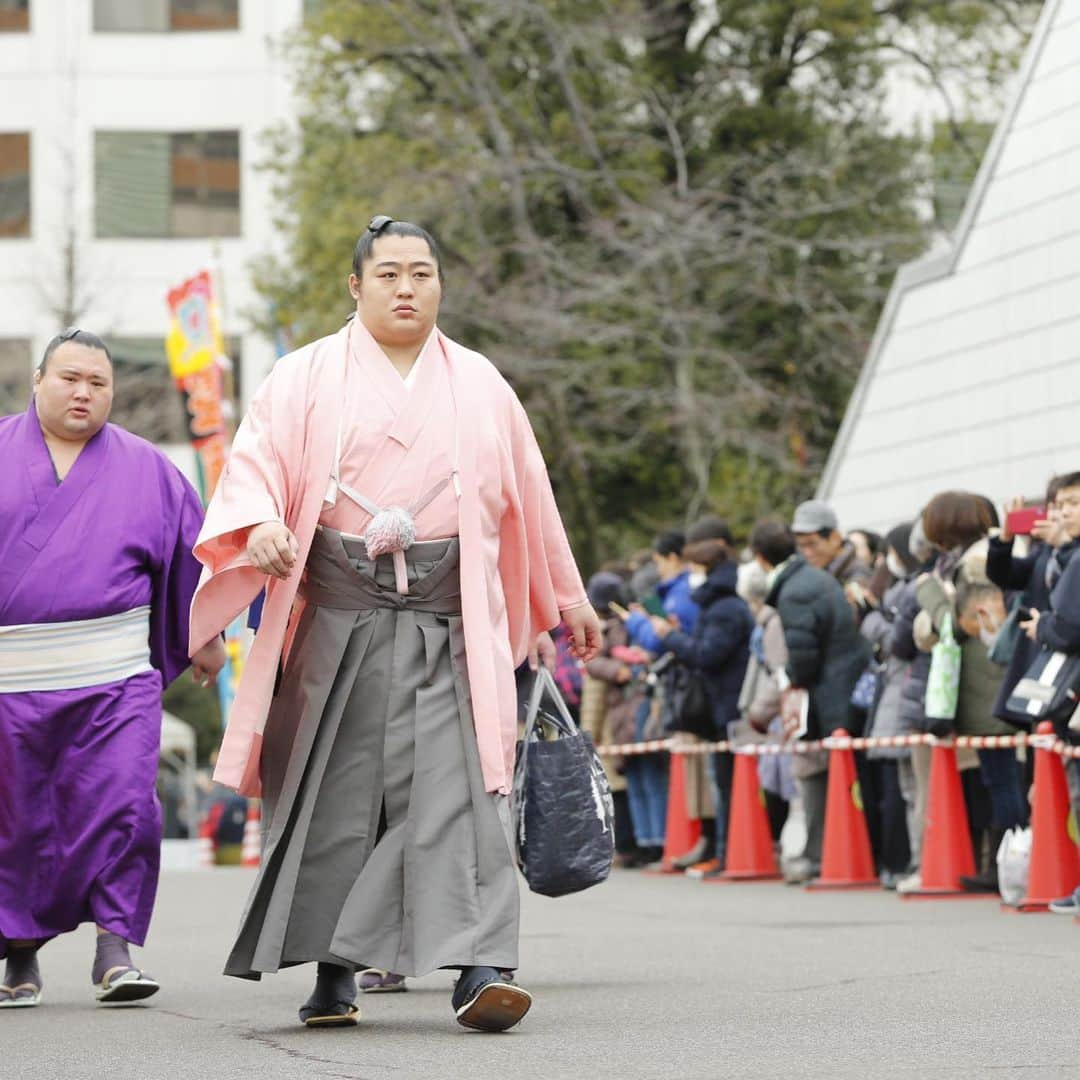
668	566
985	612
819	550
398	296
1068	504
74	394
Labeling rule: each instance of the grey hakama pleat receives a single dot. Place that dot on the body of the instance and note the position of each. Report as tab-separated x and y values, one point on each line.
373	719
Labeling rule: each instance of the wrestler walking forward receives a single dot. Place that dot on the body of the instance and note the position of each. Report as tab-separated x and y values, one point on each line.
387	483
96	580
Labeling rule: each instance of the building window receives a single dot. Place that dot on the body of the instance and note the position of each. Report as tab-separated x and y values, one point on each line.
16	375
145	398
170	184
155	16
14	16
15	184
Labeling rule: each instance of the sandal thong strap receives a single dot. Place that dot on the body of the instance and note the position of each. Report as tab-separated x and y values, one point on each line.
22	994
126	974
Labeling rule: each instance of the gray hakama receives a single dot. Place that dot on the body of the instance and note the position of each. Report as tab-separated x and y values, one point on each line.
381	847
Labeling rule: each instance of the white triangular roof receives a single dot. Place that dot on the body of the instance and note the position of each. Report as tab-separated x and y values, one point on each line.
973	376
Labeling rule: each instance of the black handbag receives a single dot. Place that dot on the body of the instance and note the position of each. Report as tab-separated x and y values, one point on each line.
1050	689
561	805
692	709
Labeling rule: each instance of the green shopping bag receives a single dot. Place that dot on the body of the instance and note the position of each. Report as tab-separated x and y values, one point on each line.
943	682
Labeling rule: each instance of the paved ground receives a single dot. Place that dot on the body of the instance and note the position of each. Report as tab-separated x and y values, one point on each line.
642	977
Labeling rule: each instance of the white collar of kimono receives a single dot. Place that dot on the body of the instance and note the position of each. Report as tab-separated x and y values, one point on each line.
410	379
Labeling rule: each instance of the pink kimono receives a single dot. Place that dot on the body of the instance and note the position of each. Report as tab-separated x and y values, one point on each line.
518	572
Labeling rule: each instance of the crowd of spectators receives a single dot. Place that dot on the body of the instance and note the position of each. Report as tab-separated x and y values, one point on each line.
803	631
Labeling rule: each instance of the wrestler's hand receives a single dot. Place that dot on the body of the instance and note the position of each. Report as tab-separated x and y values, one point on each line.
272	548
208	661
542	651
585	634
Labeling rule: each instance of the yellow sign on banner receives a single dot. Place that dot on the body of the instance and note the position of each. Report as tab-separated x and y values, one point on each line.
194	340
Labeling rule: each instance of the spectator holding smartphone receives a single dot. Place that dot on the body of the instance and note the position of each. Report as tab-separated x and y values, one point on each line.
1057	627
1031	576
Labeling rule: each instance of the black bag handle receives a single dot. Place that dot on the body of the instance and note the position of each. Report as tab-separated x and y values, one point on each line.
544	685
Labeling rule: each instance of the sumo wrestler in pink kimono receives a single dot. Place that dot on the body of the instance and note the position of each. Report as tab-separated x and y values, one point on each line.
388	492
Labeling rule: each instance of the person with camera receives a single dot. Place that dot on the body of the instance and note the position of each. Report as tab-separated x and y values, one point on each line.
1029	578
1057	628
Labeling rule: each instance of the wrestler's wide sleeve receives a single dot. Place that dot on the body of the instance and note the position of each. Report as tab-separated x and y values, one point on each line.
176	575
554	582
255	486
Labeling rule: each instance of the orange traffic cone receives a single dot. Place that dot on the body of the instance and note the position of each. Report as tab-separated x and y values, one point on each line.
1055	867
680	832
252	847
947	854
846	860
750	852
206	842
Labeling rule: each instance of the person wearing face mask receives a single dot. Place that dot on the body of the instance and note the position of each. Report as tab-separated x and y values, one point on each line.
958	524
981	612
718	646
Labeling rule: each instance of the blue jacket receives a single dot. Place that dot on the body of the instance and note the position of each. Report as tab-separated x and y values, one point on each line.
719	645
675	596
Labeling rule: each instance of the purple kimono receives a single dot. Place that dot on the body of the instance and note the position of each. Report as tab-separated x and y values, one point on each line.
80	824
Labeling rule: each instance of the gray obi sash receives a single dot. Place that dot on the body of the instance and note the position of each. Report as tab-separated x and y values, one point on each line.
339	574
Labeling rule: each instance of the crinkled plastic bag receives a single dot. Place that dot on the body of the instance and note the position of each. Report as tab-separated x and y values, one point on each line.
1013	861
563	813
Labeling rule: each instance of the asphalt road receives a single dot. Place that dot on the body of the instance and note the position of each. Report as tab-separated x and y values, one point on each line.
642	977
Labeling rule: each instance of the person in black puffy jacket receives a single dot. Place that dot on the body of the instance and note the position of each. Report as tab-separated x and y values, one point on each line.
826	656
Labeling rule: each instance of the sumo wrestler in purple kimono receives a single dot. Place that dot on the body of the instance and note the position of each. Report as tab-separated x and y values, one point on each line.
96	579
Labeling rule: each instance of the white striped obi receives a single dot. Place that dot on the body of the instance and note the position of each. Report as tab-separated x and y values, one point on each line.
74	655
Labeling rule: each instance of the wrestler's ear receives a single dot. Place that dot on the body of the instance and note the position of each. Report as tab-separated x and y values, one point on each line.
354	286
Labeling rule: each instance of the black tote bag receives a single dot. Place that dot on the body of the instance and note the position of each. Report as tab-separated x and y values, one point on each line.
562	809
1050	689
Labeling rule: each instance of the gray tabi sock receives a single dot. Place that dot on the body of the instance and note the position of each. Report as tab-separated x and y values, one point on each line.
22	966
112	952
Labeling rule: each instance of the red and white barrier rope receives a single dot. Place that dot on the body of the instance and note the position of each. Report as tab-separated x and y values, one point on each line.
974	742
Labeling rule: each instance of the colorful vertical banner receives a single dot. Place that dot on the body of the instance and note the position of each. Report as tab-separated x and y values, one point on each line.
203	375
198	363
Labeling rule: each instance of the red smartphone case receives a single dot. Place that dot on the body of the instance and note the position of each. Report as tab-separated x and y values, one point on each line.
1020	522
